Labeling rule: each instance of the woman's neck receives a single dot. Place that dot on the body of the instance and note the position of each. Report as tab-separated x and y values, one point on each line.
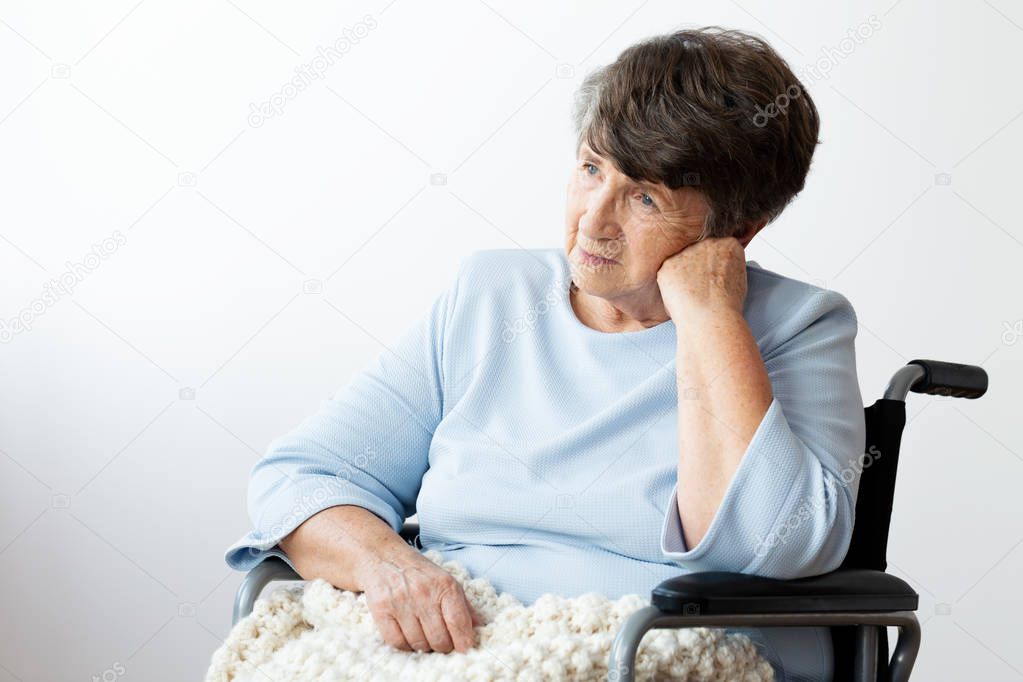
620	316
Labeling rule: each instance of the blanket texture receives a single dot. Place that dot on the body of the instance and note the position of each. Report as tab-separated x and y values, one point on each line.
312	632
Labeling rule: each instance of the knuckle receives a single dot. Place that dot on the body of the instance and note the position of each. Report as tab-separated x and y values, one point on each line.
421	589
446	584
380	603
439	640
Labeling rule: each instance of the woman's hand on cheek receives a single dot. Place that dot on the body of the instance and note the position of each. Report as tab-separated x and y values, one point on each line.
709	274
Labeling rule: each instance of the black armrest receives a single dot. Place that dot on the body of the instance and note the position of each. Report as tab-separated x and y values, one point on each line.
723	593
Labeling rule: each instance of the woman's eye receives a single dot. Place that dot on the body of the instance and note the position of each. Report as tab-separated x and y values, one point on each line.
647	200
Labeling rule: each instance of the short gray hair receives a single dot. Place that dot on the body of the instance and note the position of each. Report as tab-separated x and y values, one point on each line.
690	108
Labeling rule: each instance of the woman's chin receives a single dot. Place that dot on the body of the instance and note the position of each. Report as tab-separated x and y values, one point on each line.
594	286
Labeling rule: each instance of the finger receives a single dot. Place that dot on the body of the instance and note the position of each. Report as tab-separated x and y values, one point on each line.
460	618
412	630
391	632
432	621
401	608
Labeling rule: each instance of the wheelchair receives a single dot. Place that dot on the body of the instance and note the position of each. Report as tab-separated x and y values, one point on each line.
858	601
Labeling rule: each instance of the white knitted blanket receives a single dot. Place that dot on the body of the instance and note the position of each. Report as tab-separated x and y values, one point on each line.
312	632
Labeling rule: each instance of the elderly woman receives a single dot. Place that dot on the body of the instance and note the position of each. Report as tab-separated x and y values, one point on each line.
603	417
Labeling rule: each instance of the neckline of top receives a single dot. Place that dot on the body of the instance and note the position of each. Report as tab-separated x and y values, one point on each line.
566	299
565	296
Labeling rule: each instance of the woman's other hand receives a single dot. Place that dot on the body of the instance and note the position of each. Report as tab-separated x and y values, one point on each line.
417	604
709	274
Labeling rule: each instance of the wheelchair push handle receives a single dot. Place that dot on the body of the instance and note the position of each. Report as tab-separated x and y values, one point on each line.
950	378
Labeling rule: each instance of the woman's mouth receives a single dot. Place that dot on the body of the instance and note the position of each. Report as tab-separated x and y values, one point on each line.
589	259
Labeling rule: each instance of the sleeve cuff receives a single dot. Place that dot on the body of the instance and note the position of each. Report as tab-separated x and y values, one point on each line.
245	554
775	467
291	506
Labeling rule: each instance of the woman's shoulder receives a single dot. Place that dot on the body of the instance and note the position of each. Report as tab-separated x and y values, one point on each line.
498	294
513	274
520	262
779	307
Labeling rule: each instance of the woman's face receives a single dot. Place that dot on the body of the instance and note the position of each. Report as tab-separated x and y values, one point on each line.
636	225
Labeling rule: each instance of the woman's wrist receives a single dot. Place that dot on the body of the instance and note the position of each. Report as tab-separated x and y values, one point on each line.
342	545
392	551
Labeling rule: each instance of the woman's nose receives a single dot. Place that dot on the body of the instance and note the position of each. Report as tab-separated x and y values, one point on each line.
602	216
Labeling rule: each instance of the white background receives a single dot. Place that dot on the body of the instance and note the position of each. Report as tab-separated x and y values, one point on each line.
120	493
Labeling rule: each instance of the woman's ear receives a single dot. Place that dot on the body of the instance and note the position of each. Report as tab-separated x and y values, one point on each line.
751	232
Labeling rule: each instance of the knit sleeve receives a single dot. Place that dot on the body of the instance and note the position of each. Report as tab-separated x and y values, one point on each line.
367	446
789	509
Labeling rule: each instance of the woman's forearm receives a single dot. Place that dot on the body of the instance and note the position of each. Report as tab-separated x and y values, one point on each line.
338	543
723	394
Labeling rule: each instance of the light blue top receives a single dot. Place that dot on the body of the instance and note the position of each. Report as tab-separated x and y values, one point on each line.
542	453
